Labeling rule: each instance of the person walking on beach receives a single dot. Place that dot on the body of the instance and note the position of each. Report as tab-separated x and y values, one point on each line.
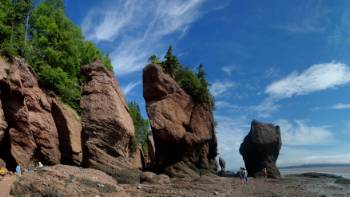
18	170
265	173
245	175
241	175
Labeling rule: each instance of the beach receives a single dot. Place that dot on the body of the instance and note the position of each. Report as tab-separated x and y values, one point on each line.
227	186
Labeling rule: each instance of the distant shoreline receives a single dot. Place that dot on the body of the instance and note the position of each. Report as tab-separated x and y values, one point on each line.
314	166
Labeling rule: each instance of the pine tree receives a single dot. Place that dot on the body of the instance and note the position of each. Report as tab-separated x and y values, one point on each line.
171	64
154	59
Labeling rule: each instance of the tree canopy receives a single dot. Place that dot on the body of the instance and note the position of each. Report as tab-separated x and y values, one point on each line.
194	83
50	42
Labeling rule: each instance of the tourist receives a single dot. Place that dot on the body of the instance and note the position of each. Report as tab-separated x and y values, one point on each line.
18	170
265	173
245	175
241	174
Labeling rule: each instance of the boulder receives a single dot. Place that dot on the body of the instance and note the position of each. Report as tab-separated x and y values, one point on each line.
260	149
3	125
61	180
153	178
183	130
32	133
69	126
107	126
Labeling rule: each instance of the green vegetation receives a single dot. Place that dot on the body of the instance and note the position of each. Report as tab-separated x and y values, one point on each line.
141	128
194	83
50	42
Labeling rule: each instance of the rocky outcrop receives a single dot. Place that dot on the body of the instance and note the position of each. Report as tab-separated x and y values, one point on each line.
40	127
260	149
61	180
107	126
183	131
150	177
3	125
69	126
32	133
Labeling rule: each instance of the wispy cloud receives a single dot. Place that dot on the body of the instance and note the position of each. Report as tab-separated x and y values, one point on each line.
300	133
341	106
316	78
220	88
228	69
138	28
129	87
310	17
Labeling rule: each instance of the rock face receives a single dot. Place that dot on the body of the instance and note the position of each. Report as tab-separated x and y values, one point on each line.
61	180
107	126
69	124
3	125
260	149
39	126
183	131
32	133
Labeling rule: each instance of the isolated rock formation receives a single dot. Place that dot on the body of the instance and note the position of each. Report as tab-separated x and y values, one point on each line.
107	126
183	131
69	126
260	149
61	180
32	133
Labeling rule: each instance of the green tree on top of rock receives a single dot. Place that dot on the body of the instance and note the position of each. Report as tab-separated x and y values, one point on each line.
194	83
50	42
171	64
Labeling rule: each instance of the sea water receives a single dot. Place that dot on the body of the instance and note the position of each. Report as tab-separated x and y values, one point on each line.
343	171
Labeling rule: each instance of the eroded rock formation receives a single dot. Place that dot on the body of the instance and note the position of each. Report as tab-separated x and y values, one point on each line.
107	126
260	149
183	131
32	132
39	127
69	126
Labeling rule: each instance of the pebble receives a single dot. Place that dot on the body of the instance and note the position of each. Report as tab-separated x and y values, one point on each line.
216	193
139	187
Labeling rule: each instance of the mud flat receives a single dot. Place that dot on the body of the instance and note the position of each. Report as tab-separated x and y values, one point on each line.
295	185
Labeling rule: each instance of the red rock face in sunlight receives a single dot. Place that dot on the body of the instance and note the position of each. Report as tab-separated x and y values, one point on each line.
183	130
107	126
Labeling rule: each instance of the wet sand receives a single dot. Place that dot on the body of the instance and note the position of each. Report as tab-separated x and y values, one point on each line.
223	186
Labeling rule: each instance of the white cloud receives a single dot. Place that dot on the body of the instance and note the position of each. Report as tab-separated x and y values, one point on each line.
230	133
137	28
228	69
316	78
129	87
219	88
309	17
265	108
301	155
300	133
341	106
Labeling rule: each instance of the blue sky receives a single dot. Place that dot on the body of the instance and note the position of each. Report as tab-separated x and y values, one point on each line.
285	62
